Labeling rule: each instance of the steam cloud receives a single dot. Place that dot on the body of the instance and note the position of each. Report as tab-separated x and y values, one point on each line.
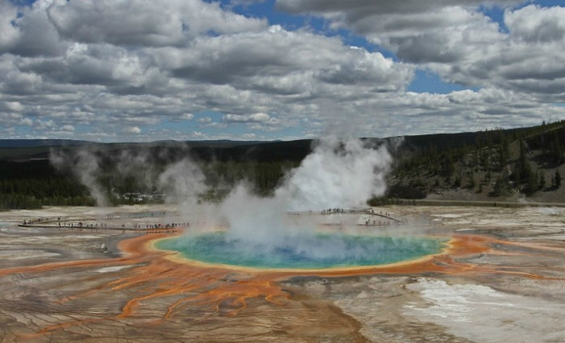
337	174
181	180
85	166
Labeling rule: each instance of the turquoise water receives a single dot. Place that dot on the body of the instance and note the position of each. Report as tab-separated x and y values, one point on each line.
318	251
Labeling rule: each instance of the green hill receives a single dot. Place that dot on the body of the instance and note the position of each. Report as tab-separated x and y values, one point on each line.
515	165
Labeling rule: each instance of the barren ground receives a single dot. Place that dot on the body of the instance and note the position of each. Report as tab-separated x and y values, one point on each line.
502	281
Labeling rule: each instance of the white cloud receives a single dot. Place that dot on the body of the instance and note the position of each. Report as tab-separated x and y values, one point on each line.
67	128
359	9
117	66
10	32
27	31
12	106
535	24
144	23
133	130
205	120
246	2
247	118
197	135
459	42
283	62
45	124
27	122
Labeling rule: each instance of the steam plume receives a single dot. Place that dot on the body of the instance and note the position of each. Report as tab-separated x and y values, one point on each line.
84	164
337	174
182	180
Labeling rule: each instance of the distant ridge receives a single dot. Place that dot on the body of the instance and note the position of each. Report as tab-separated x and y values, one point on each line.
226	150
21	150
34	143
207	150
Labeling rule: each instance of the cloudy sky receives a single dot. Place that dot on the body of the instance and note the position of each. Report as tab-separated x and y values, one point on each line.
144	70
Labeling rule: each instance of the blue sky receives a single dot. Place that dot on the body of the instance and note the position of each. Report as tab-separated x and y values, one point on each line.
117	70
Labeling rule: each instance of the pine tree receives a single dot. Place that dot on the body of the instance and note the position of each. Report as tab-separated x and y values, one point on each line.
457	182
500	187
556	150
504	151
532	186
541	180
472	182
557	178
523	171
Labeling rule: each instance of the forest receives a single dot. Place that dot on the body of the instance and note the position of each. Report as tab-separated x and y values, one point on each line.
493	162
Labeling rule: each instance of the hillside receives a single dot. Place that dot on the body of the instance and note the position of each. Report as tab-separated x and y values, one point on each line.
500	165
497	165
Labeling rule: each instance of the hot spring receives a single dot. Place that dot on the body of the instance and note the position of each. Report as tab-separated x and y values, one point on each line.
282	231
315	251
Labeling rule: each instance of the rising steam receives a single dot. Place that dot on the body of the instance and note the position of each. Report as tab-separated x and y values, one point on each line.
182	180
84	165
337	174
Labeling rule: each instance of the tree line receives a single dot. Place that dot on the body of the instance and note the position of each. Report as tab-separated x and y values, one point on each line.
31	185
496	161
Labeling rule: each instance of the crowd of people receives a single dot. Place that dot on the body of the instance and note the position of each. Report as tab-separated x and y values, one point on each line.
92	224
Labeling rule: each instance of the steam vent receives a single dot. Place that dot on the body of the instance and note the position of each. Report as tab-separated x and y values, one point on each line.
159	273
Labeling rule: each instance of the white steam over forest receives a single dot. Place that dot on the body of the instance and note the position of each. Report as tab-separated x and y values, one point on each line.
336	174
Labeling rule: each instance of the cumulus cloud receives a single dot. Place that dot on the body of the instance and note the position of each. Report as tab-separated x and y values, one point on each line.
535	24
27	31
10	32
133	130
247	118
458	41
67	128
144	23
12	106
283	62
125	66
205	120
358	9
26	121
